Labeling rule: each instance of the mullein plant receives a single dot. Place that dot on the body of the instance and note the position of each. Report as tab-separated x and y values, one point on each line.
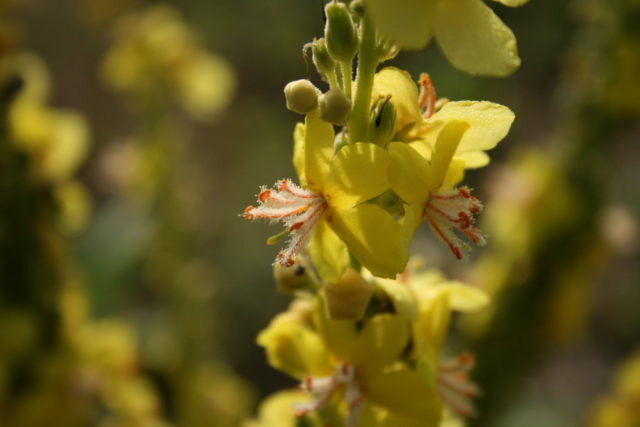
377	156
157	62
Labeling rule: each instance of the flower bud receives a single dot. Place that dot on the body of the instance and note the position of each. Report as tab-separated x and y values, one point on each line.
383	121
335	107
340	33
321	59
301	95
348	298
291	280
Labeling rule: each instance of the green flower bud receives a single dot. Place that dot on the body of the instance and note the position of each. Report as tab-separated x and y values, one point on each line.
383	121
302	96
291	280
335	107
321	59
357	8
348	298
340	32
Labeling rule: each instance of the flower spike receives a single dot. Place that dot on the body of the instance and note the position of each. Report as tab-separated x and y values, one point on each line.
298	209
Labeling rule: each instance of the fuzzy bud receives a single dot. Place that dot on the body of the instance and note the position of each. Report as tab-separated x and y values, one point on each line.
348	298
335	107
291	280
321	59
340	32
301	95
383	122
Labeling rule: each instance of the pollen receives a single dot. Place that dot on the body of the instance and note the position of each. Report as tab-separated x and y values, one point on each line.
296	208
452	215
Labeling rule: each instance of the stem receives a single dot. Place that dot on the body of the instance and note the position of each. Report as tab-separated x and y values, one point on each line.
347	76
367	63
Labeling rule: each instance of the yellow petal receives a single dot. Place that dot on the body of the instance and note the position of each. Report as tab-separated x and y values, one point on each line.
329	254
404	299
404	94
358	173
488	123
512	3
294	349
338	335
277	409
406	22
373	237
405	393
433	324
474	39
454	175
317	152
474	160
409	173
446	146
298	151
380	342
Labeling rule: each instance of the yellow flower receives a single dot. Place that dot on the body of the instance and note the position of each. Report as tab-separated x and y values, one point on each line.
440	146
469	33
332	205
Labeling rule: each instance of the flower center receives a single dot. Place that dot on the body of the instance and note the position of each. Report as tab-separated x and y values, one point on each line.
322	389
454	210
296	208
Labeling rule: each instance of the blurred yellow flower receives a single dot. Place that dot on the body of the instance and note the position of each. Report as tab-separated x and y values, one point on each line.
156	51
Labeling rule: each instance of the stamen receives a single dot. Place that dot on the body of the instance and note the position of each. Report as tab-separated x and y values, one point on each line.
427	97
454	386
454	210
323	389
298	209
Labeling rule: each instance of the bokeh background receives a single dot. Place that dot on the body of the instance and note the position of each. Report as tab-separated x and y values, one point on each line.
150	288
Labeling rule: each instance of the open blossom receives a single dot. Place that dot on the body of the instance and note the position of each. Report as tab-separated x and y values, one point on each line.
385	370
331	202
437	147
469	33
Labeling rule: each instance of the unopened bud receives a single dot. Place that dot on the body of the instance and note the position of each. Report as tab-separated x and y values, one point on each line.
291	280
357	8
383	122
348	298
335	107
340	32
321	59
301	95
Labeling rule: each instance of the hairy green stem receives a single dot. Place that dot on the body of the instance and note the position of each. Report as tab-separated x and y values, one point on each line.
367	63
347	75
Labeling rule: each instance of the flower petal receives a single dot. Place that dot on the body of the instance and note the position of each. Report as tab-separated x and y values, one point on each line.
512	3
406	393
404	94
474	39
403	297
409	173
298	151
313	158
358	173
488	123
380	342
373	237
329	254
446	146
406	22
294	349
